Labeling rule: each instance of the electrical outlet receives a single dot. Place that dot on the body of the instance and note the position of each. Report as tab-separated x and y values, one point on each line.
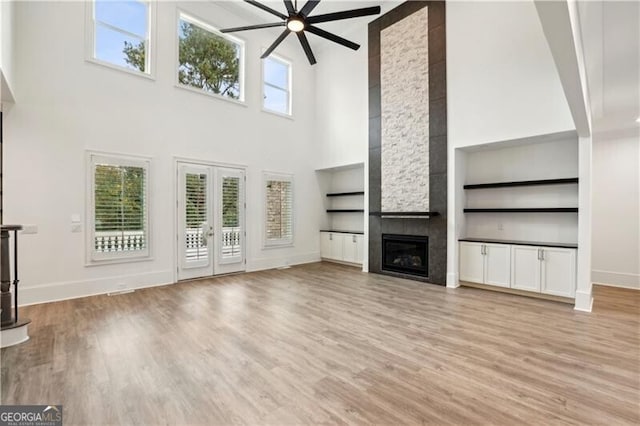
121	286
500	227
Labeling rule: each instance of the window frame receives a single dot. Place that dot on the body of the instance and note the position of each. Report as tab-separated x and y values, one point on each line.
184	15
122	160
90	40
280	242
289	89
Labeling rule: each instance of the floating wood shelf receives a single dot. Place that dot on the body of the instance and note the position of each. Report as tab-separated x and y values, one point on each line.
405	214
345	210
525	210
344	194
563	181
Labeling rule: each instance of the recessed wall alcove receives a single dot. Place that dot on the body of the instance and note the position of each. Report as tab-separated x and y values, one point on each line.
408	133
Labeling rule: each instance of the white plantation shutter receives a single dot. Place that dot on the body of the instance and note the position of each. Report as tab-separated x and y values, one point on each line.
196	214
118	214
231	232
279	210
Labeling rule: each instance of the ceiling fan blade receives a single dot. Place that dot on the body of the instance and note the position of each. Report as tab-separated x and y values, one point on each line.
308	7
289	5
266	9
305	46
344	15
275	44
253	27
329	36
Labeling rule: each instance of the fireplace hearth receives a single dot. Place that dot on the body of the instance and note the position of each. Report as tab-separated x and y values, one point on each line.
407	254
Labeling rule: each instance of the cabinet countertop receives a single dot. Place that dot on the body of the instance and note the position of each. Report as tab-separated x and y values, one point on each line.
520	243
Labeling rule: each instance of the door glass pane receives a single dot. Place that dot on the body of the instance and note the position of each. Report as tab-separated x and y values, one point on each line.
195	216
231	230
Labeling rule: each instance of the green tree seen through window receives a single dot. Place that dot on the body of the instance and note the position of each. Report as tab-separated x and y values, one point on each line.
207	61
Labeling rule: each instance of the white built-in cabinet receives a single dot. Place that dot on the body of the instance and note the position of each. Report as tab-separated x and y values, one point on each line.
485	263
558	271
342	247
526	268
546	270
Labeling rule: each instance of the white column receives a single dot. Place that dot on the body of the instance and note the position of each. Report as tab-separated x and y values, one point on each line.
584	299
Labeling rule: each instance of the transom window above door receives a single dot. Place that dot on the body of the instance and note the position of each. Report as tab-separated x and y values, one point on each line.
209	61
119	34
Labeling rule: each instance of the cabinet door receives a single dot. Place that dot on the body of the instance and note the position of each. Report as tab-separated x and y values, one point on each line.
359	248
471	266
325	244
525	268
497	270
558	271
350	249
337	246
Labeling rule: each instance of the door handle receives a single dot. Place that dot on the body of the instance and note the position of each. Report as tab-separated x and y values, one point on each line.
541	254
354	238
330	237
207	232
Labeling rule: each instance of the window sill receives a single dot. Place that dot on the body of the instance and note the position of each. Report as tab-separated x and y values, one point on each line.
121	69
211	95
115	261
278	114
270	246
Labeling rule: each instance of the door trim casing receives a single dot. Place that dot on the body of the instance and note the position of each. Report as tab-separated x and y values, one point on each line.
177	160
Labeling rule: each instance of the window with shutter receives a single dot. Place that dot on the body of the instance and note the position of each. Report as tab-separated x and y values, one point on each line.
118	214
279	209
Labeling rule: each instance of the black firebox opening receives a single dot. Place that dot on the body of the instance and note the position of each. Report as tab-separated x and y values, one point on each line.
407	254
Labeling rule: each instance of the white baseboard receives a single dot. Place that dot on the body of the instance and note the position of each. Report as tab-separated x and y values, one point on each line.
452	280
262	264
584	301
615	279
54	292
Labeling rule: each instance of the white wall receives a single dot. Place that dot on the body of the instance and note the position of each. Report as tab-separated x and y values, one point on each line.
502	83
343	103
67	106
616	208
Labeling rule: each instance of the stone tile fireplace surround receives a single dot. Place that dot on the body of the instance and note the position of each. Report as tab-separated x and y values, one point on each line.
416	153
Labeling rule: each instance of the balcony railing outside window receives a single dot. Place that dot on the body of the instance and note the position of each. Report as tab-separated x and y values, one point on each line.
117	241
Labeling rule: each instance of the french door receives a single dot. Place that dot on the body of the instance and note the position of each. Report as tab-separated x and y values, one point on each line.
211	220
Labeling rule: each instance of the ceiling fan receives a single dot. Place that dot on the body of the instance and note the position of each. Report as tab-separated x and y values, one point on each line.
298	21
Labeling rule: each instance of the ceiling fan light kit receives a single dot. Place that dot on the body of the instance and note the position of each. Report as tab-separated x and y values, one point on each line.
299	22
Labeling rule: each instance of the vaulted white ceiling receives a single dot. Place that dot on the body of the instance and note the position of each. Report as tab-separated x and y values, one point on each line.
611	40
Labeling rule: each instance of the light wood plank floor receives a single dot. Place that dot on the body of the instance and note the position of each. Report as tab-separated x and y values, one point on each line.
325	343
